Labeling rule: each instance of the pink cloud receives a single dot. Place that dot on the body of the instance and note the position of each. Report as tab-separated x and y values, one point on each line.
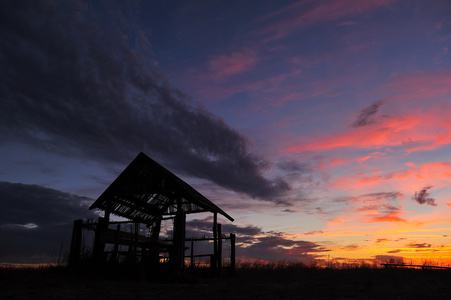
324	163
420	85
227	65
297	16
216	79
415	132
430	171
391	132
424	125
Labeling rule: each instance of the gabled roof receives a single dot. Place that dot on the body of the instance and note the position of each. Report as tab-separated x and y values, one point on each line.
146	191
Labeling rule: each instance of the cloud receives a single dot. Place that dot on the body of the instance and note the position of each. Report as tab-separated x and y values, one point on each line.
224	66
35	220
370	197
382	241
421	127
365	116
352	247
389	259
74	83
417	245
277	248
292	166
395	251
386	213
303	13
201	227
383	195
314	232
254	244
438	171
422	197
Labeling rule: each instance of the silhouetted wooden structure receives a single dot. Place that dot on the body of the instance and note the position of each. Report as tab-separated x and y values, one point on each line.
146	193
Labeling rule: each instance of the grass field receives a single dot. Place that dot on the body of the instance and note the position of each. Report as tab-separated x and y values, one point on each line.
251	282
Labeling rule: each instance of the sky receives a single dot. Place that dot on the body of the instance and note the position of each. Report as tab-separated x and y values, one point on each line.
322	127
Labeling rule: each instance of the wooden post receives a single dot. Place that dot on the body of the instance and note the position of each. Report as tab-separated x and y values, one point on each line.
113	257
154	255
232	253
214	263
75	245
156	230
99	244
135	242
106	216
219	259
192	255
177	259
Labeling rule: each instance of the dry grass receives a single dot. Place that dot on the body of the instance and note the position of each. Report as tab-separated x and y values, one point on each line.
257	281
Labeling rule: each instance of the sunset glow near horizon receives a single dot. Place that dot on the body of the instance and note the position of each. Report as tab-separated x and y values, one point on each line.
322	127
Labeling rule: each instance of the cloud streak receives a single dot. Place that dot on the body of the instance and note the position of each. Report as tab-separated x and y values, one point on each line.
277	248
303	13
70	88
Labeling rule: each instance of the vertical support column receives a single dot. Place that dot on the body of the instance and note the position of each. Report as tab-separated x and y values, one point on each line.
113	257
214	263
192	255
99	244
156	230
154	251
135	242
232	253
219	250
177	258
106	216
75	245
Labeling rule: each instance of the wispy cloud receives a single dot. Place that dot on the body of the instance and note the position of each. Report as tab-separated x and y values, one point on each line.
382	241
298	15
387	213
277	248
366	115
204	226
422	197
418	245
234	63
395	251
371	197
438	171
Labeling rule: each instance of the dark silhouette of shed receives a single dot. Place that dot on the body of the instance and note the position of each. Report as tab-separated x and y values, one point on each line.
147	193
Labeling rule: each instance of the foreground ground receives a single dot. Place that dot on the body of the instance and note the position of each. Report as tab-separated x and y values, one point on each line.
248	283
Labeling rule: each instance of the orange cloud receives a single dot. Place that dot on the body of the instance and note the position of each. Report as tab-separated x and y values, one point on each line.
386	216
412	132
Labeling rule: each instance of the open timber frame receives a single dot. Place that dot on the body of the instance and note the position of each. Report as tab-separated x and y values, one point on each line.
146	193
